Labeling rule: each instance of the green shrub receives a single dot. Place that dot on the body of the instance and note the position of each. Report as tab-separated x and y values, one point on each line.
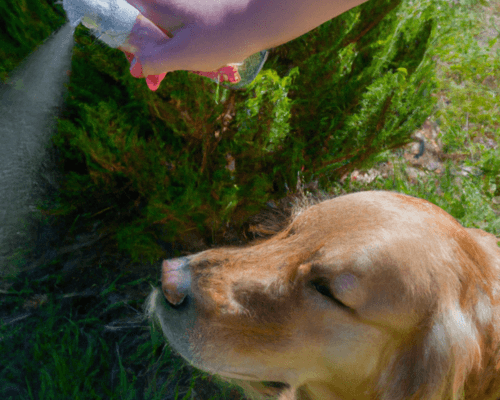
167	165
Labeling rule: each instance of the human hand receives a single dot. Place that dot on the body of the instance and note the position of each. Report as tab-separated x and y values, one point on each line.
198	39
143	33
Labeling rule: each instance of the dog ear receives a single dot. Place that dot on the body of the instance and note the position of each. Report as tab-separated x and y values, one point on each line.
436	365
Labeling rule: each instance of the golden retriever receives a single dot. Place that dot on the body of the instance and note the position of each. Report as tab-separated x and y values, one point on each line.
371	295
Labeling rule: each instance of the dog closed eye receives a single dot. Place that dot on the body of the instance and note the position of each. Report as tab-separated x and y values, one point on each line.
322	288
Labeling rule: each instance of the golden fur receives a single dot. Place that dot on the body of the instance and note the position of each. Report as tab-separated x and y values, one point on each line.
368	296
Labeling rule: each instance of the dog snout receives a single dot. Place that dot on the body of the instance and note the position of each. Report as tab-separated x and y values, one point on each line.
175	280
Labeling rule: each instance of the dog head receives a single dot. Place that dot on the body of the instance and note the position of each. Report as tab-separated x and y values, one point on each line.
373	295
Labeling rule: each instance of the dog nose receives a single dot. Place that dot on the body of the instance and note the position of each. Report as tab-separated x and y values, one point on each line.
175	280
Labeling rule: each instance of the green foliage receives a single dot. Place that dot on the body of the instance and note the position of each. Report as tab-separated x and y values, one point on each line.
25	24
374	85
469	69
63	352
271	91
469	72
162	166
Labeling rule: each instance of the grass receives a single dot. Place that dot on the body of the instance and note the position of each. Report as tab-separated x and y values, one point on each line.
62	335
91	345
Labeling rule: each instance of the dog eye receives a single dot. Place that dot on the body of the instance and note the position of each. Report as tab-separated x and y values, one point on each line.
324	289
276	385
